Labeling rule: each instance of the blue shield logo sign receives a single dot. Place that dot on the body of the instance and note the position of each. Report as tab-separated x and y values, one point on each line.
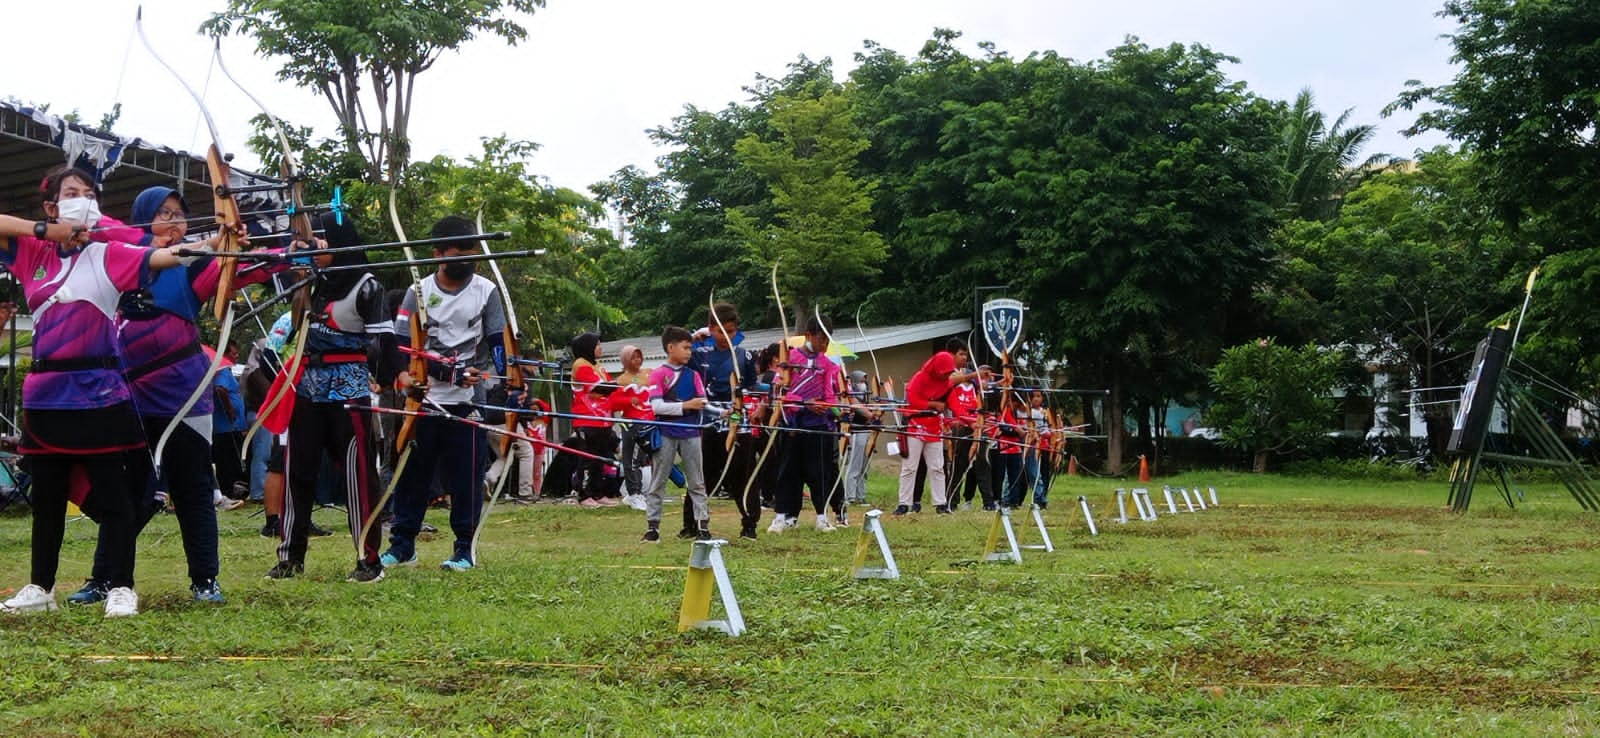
1002	325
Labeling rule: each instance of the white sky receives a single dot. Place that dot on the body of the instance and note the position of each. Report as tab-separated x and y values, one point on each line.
595	74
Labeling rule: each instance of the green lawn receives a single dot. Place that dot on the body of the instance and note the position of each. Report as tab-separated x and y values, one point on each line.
1300	607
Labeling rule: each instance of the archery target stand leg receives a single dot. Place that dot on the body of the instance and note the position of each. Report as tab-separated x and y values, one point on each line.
872	530
1213	491
1147	508
1038	520
1172	509
992	550
1187	501
708	573
1088	516
1122	506
1199	499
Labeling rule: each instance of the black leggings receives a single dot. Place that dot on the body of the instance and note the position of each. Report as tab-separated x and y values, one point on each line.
113	497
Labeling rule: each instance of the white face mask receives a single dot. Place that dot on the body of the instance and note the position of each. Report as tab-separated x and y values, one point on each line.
84	211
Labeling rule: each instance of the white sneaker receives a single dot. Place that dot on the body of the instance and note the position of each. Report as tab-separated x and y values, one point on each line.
823	524
636	502
32	598
791	522
121	602
779	525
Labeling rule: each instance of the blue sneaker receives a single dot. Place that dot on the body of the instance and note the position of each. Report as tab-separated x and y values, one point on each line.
93	591
458	562
207	591
389	559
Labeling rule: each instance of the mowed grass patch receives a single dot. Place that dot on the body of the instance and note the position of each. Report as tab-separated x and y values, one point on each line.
1298	607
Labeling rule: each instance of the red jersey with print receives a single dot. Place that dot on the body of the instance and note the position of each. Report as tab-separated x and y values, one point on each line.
585	376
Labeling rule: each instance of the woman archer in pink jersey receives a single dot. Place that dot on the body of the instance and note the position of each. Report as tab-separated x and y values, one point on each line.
79	424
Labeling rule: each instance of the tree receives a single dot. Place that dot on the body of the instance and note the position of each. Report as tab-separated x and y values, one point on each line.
554	294
1411	271
1273	399
1527	101
1322	160
677	221
342	48
820	224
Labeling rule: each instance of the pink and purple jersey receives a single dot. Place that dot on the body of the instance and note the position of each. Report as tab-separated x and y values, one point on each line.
73	297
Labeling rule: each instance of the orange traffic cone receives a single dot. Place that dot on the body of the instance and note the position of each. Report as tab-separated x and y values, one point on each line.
1144	468
1072	466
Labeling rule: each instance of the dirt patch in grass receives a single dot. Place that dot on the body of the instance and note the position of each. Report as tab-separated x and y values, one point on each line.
1463	686
1556	594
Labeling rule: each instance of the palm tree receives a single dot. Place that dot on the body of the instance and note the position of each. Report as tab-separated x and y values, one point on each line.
1321	159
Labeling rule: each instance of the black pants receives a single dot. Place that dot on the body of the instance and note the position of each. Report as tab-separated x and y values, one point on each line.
591	478
227	455
457	455
345	435
113	496
186	476
738	464
972	469
810	460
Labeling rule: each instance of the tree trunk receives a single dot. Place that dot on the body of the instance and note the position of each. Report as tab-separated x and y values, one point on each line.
1113	425
1260	466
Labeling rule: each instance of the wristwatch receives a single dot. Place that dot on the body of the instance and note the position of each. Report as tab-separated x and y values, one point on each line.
39	229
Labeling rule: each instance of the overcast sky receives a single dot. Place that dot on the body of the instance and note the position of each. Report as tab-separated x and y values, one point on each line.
595	74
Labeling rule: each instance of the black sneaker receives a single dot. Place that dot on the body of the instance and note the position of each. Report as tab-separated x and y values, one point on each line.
366	573
988	507
942	509
317	531
273	528
651	536
686	534
900	510
702	535
93	591
747	531
916	507
286	569
207	591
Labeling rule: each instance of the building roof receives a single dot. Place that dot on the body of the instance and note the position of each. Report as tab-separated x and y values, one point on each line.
875	339
33	142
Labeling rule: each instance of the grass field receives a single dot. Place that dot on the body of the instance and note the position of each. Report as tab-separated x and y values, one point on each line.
1299	607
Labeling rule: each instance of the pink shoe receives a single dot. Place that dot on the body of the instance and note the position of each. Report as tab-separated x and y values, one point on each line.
609	502
590	502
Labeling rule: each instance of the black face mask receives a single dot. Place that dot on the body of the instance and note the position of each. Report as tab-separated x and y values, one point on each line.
458	271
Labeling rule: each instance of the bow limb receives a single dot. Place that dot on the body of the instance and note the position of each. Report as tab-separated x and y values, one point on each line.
512	348
511	345
735	392
417	368
417	322
227	216
780	378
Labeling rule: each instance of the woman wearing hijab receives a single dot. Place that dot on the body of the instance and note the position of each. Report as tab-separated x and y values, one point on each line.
597	485
163	362
349	339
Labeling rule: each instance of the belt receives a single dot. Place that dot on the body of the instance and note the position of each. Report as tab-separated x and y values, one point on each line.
163	362
79	364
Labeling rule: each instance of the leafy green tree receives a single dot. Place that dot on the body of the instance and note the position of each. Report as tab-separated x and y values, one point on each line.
346	49
1322	160
1527	101
820	223
1411	271
554	294
1273	399
679	241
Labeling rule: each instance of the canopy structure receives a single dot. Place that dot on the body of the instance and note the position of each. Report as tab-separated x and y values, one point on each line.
33	142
